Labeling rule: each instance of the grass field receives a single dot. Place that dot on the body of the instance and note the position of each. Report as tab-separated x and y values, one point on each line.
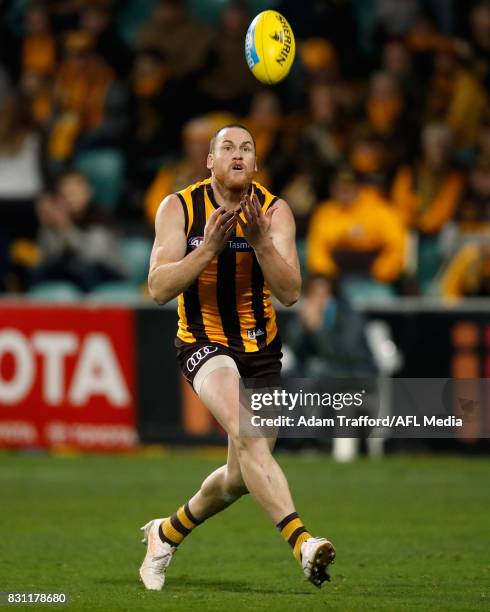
411	534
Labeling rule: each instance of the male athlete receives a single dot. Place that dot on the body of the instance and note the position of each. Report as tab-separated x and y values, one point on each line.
222	246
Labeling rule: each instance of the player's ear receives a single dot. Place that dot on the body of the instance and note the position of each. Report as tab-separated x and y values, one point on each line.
210	161
255	165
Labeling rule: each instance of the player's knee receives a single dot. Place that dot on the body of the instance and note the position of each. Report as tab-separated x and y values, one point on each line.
251	447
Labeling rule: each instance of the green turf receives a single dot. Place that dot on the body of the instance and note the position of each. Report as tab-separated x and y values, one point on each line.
411	534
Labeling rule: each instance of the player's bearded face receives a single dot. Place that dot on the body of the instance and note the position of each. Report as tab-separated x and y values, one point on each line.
233	160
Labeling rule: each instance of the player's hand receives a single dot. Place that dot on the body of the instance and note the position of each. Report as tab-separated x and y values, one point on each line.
257	226
220	227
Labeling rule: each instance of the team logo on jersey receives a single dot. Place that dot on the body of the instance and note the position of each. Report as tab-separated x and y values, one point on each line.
196	357
252	334
234	244
195	241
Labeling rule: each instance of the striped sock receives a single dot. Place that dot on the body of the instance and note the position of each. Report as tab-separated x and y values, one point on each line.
294	532
174	529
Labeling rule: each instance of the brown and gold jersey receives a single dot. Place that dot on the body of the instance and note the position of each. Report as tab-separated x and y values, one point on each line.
229	303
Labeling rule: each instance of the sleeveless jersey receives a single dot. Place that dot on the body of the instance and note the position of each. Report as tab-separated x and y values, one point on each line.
229	303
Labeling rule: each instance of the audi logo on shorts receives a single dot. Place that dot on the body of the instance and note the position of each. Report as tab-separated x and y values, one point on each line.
196	358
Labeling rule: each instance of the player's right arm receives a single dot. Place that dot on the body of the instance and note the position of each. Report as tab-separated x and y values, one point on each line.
171	271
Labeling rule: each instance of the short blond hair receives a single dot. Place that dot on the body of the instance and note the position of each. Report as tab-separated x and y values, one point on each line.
212	142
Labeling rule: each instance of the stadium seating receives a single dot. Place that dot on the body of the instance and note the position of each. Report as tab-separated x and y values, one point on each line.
105	170
55	291
135	252
118	292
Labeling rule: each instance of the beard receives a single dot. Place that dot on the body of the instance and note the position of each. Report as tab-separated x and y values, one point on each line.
234	180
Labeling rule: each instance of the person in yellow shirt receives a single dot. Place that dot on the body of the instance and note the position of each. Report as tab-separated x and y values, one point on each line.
426	193
356	232
38	43
80	94
455	96
468	273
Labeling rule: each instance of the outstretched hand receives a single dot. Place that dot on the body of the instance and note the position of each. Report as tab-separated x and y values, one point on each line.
256	226
220	226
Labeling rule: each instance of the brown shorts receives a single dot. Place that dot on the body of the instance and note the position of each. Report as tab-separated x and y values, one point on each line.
265	363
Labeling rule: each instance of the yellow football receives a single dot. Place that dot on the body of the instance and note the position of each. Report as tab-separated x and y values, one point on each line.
269	47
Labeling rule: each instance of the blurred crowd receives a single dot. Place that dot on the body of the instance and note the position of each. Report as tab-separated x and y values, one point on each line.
379	139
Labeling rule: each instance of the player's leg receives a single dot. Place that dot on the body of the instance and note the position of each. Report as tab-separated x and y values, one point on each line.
223	486
218	386
263	476
220	489
260	472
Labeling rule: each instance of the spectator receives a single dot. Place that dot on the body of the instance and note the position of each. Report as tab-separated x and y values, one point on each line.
483	144
76	241
82	88
182	41
397	62
88	102
20	177
228	82
302	173
5	84
324	138
37	89
264	121
190	168
388	115
97	21
327	337
472	216
468	273
426	195
423	40
20	165
427	192
480	40
319	60
473	211
393	18
455	97
38	44
356	232
10	52
158	112
371	161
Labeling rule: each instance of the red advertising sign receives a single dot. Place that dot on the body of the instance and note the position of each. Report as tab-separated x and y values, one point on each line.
67	377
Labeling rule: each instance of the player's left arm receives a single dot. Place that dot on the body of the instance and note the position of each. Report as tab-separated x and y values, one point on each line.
275	248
